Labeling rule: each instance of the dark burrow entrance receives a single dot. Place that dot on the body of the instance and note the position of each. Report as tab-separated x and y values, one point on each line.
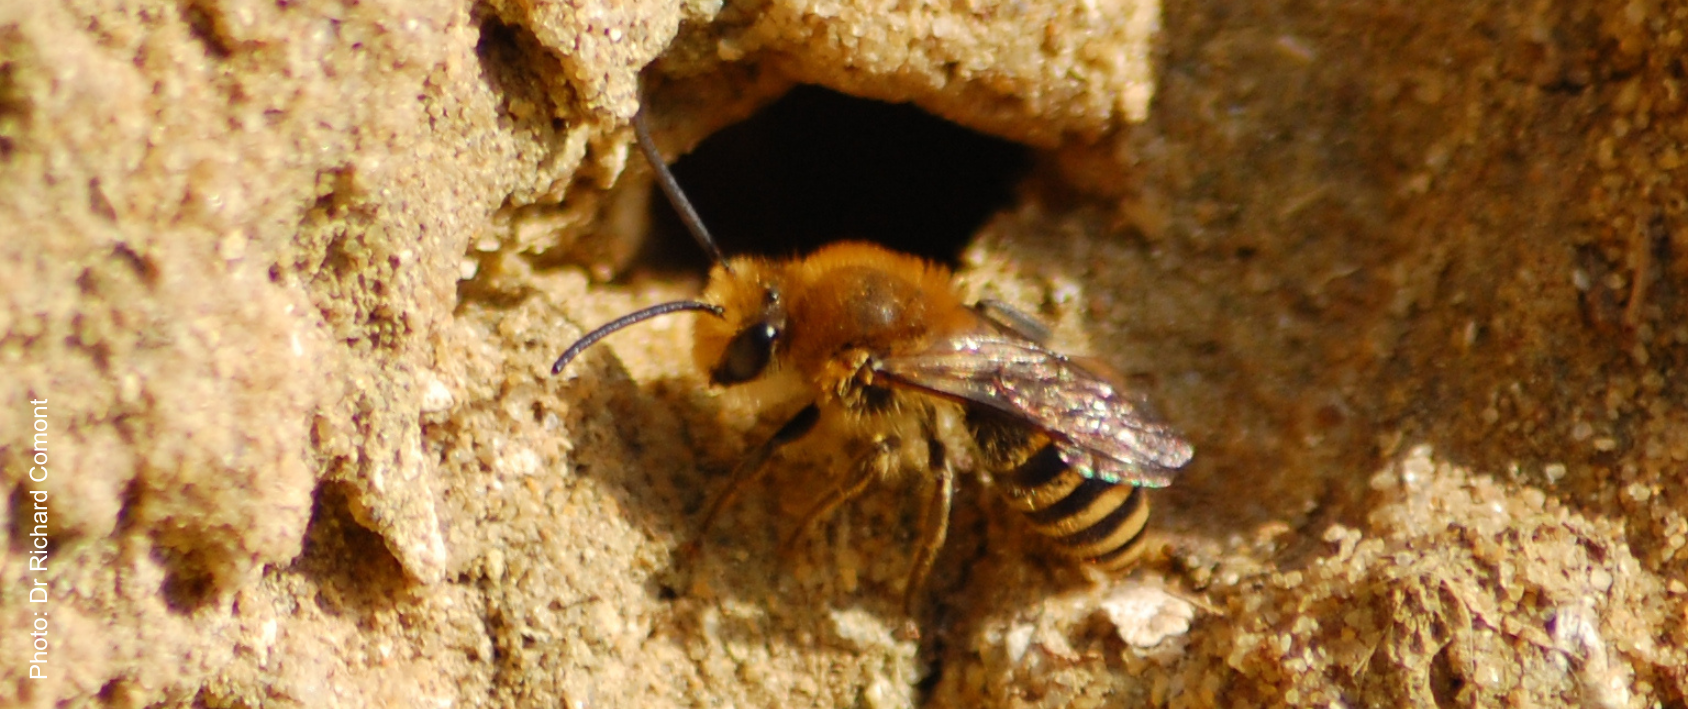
817	166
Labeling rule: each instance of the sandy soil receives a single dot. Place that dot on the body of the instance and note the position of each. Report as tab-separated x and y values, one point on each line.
286	280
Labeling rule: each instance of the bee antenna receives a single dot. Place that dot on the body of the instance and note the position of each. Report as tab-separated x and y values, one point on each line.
671	187
638	316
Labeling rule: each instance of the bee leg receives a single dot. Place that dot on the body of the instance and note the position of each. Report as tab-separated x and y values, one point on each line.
754	468
934	524
873	465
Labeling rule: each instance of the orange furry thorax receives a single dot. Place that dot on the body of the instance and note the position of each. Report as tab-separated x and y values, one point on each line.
847	299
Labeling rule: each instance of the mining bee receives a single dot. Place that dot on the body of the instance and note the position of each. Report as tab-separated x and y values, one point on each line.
879	347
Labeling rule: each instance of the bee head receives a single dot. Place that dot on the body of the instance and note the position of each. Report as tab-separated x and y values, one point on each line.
739	346
735	346
744	295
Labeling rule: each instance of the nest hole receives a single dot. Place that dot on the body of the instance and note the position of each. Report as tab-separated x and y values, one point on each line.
818	166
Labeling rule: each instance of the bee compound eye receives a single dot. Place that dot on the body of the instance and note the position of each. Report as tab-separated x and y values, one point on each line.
747	355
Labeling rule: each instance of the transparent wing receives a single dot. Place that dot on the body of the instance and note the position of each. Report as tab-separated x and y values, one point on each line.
1098	428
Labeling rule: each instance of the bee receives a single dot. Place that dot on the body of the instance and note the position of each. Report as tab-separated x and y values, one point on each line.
880	347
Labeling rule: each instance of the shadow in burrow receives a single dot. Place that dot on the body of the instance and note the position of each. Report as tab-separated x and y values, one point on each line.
353	571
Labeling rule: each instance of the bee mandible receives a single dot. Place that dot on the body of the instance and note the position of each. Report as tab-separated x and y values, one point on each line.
880	347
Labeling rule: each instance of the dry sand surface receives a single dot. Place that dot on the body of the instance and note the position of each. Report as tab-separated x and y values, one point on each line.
287	277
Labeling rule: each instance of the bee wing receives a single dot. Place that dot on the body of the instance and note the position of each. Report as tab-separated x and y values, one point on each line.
1098	428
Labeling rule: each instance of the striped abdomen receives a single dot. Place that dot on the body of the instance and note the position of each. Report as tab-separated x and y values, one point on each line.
1092	521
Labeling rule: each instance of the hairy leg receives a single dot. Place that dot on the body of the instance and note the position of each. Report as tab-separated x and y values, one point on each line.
934	524
873	465
754	467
